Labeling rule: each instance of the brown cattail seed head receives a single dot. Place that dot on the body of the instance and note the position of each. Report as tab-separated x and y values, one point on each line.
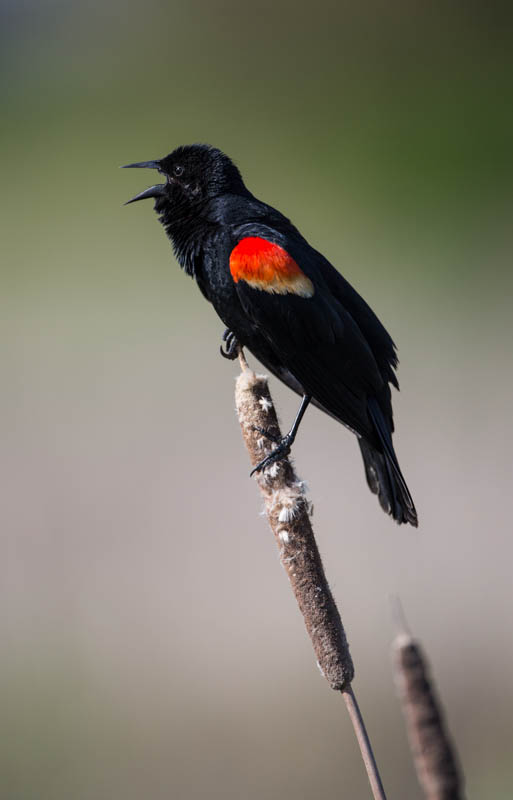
435	760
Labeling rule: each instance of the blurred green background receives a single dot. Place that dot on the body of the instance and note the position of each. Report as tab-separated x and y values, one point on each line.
150	643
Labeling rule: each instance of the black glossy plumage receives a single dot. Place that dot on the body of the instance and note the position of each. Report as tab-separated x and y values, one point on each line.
330	346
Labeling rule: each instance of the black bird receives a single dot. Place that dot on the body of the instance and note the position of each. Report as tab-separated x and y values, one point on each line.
287	304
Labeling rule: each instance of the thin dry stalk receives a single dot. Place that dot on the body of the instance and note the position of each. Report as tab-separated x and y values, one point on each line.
288	512
433	754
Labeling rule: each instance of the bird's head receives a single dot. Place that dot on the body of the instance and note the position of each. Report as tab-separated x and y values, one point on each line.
193	174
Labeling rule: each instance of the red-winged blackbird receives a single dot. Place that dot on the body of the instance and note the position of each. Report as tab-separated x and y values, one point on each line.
285	302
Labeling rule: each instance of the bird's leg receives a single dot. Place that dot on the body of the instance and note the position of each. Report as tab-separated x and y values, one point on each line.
284	443
232	346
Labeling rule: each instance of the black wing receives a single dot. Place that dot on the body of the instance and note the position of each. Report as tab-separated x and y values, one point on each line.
317	339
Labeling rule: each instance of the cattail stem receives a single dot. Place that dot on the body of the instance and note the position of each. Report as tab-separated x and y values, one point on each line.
434	757
360	730
288	512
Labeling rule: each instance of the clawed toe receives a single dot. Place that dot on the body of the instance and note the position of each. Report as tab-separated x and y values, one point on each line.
267	433
232	346
280	452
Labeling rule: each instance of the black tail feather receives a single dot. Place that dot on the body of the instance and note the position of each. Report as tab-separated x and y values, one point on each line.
383	473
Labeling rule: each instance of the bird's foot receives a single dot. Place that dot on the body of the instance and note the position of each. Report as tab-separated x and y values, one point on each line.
281	451
231	347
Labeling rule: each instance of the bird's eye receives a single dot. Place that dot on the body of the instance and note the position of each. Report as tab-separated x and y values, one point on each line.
177	170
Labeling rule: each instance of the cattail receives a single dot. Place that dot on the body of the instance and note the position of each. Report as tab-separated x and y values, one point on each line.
288	512
433	754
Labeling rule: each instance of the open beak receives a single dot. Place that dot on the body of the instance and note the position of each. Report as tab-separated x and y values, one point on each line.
153	191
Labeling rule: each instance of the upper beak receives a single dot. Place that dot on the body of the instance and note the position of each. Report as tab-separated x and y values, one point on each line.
143	165
153	191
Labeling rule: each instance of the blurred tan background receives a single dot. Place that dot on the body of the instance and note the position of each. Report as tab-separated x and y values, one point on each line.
150	643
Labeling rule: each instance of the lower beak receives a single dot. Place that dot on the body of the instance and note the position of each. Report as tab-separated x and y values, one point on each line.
153	191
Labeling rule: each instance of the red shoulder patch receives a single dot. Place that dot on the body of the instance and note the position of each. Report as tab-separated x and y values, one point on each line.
267	266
